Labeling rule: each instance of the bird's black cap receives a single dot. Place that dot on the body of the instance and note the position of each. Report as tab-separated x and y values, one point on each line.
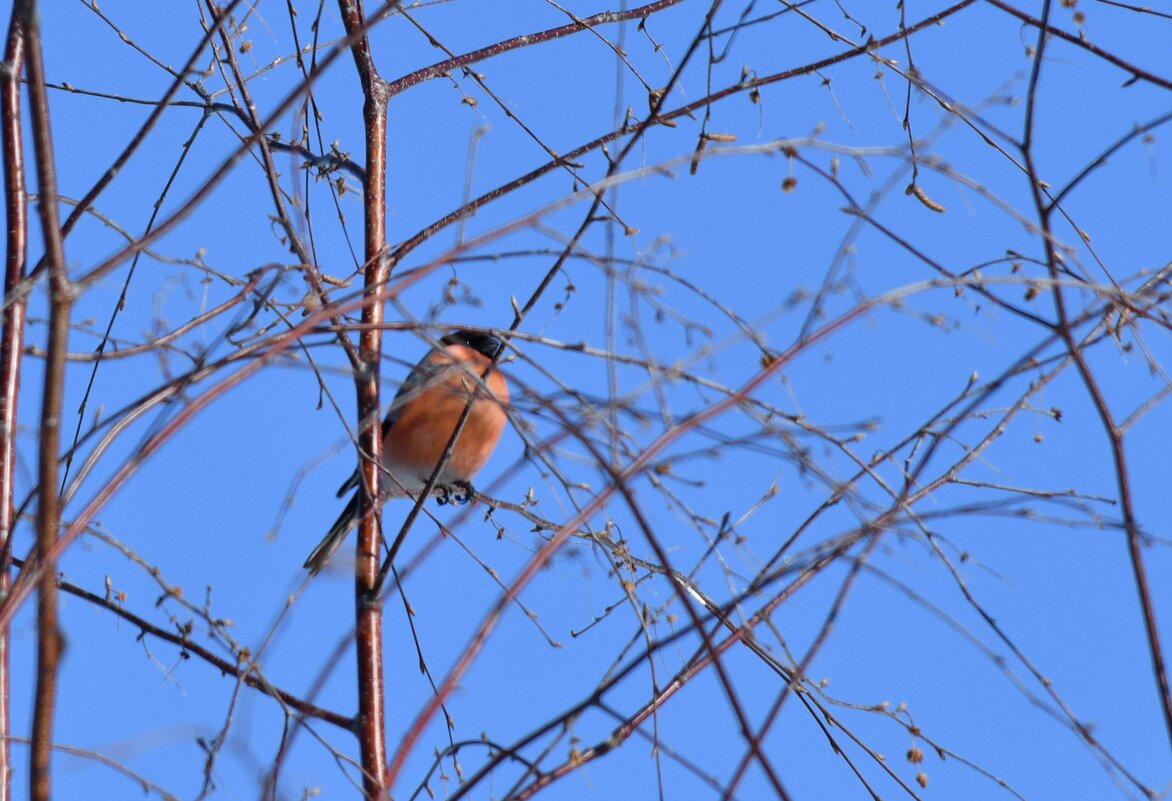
484	343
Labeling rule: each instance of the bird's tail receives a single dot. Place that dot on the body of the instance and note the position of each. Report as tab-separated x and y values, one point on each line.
334	537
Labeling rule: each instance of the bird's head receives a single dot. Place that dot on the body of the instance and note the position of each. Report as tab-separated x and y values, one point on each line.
483	343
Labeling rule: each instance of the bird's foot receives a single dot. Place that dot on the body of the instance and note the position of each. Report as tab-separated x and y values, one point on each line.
457	493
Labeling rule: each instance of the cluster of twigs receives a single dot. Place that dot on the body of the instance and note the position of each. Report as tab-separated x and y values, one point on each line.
601	454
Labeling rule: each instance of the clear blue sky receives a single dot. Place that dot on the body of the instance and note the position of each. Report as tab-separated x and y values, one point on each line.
1052	572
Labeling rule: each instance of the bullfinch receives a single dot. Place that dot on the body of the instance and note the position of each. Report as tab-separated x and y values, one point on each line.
420	422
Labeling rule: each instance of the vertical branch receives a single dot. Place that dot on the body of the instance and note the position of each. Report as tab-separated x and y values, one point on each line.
1115	434
11	341
48	507
371	727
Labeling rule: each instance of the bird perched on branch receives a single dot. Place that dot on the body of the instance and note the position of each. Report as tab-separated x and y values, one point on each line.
420	421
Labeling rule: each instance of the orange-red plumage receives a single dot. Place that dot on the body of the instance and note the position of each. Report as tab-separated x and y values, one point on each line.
420	421
424	424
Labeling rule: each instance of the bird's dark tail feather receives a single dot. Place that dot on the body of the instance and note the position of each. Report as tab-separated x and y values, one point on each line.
334	537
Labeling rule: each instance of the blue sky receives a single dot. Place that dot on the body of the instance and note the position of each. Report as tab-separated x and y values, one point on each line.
229	507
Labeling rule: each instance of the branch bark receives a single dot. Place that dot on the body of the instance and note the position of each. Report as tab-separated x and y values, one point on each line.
1115	434
11	344
48	508
371	720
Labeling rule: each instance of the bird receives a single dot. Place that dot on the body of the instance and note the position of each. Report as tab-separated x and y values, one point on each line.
426	410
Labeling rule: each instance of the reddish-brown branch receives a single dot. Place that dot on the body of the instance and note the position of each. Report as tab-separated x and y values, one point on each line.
32	573
406	246
752	739
308	267
620	481
1134	545
521	313
1119	463
740	633
800	671
524	40
254	357
222	170
148	125
1078	41
633	468
1044	210
11	345
48	506
234	669
371	719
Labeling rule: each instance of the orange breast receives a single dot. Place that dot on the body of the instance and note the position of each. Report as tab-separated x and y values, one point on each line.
417	440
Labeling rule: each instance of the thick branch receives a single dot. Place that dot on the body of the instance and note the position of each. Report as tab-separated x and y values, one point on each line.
48	509
11	342
371	721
